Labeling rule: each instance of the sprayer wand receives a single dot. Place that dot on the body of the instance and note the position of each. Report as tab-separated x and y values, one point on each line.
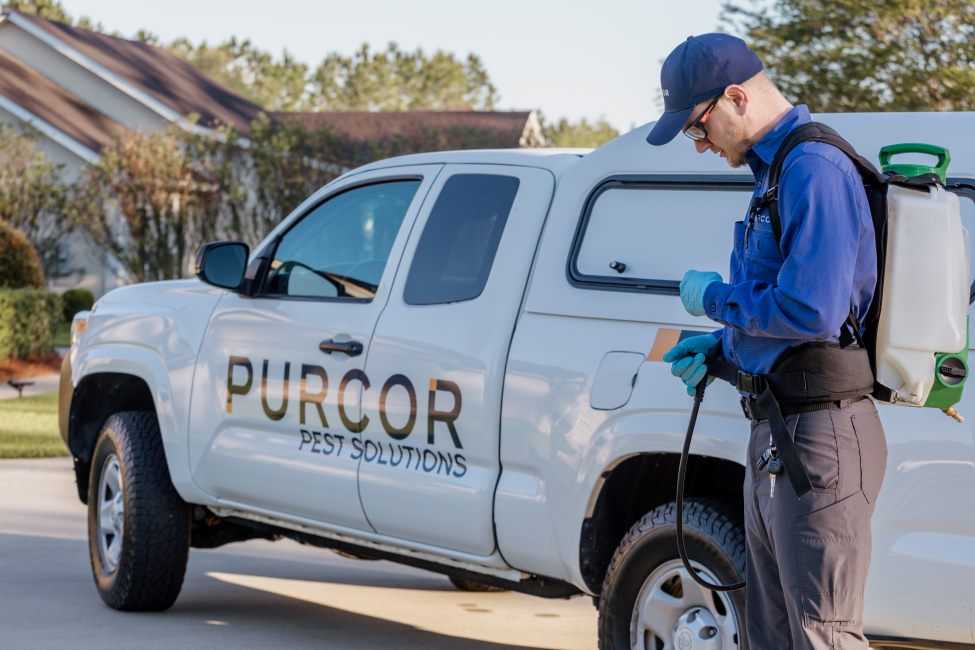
711	360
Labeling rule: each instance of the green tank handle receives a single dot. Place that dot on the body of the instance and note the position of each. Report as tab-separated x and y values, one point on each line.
913	169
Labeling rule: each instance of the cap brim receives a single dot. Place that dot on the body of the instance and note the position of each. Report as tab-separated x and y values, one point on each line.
668	126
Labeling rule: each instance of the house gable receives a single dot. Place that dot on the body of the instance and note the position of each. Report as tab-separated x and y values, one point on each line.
140	85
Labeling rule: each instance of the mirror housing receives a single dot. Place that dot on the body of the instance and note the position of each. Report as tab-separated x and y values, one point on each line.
222	264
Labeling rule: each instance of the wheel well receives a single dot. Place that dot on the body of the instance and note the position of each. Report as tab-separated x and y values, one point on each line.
96	397
638	485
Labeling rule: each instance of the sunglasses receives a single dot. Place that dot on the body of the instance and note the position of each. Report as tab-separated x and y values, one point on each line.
695	130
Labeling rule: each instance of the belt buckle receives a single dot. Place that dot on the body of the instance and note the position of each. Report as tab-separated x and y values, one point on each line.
749	383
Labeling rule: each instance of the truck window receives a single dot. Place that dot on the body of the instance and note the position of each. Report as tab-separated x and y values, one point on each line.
339	249
966	195
456	250
652	232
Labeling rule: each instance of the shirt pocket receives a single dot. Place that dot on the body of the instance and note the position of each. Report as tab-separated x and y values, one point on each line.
762	257
738	253
762	244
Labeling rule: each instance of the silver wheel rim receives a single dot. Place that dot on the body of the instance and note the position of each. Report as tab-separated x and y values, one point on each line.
672	612
110	514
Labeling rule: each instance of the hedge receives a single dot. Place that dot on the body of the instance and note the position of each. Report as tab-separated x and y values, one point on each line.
20	265
75	300
28	321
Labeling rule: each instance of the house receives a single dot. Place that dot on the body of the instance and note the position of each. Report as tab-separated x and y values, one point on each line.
81	89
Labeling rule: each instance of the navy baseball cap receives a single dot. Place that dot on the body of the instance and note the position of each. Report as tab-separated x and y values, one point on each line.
699	69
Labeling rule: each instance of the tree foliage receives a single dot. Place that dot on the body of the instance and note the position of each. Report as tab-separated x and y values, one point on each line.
149	204
398	80
864	55
53	10
35	198
274	83
261	181
47	9
582	133
387	80
20	265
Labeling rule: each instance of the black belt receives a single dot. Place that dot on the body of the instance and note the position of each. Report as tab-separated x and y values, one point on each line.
753	411
810	377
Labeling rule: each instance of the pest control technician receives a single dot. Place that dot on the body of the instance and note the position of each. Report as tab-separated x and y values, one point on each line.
793	310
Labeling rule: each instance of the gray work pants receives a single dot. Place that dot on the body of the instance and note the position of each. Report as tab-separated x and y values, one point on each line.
808	557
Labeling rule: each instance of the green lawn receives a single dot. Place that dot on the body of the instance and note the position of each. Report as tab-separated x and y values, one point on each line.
62	337
29	427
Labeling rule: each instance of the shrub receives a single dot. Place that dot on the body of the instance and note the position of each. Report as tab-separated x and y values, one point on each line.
28	320
75	300
20	265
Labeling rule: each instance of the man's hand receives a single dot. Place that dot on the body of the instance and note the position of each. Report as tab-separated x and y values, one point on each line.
692	289
686	360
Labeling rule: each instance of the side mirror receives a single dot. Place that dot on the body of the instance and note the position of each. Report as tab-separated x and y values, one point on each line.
222	264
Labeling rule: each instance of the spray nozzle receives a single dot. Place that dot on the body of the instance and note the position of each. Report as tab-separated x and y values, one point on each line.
953	413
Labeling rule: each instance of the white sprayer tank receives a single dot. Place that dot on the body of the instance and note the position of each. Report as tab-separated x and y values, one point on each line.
926	290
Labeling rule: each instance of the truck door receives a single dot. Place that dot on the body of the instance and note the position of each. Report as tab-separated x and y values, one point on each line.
276	411
436	365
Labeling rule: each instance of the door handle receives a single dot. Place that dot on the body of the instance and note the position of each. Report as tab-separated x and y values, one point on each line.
351	348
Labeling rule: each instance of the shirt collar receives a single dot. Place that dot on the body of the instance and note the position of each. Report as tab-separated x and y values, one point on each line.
763	151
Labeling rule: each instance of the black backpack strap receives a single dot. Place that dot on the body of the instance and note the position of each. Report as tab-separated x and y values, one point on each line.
811	132
817	132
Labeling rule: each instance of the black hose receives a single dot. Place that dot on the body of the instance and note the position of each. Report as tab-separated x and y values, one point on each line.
681	479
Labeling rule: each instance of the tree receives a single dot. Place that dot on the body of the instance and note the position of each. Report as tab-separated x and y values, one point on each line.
47	9
260	183
864	55
35	198
20	265
577	134
396	80
275	84
148	203
389	80
52	10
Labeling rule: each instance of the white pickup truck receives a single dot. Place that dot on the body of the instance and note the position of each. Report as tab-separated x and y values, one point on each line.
452	360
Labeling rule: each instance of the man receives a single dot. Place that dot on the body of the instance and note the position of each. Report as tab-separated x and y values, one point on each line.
784	308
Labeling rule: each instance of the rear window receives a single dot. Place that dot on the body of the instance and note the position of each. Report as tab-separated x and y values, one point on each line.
652	234
966	193
456	251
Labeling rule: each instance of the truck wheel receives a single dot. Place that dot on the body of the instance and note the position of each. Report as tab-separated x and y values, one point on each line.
463	584
650	601
138	526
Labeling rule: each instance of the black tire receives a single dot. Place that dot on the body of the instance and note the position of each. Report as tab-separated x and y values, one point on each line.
463	584
714	539
155	539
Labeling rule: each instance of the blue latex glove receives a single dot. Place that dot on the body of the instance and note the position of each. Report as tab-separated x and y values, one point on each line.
692	289
686	360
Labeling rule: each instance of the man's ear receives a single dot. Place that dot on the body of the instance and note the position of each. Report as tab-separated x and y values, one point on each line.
738	97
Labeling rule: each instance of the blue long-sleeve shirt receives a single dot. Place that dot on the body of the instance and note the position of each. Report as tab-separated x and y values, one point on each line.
800	289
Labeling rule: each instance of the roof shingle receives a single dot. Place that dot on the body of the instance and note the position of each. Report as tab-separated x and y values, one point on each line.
50	102
507	126
161	74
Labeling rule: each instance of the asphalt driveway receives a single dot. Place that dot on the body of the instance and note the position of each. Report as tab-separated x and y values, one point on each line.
250	595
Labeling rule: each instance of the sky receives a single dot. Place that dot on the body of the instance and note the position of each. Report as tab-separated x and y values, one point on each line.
569	58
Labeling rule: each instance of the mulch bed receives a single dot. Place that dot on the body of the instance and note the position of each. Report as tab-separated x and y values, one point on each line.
25	369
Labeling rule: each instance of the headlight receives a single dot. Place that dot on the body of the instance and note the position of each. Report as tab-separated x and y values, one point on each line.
78	326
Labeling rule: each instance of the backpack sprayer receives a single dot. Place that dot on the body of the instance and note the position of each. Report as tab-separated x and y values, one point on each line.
918	327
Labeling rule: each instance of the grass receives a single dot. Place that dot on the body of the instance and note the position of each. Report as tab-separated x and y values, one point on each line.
62	337
29	427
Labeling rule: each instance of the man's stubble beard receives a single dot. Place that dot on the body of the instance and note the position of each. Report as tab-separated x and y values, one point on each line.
737	158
